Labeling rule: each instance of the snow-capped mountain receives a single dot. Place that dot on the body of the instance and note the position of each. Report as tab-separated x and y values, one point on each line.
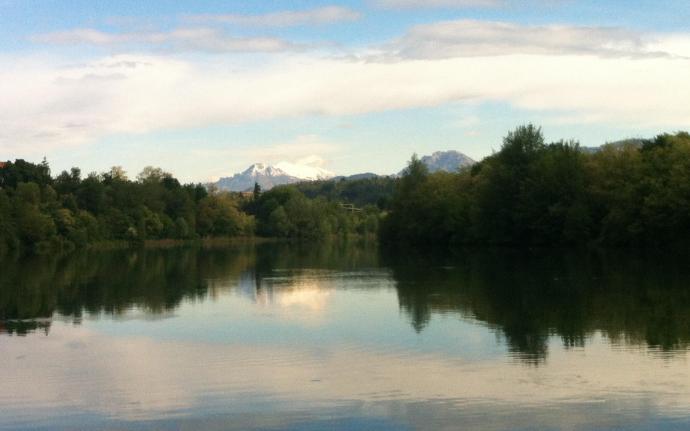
269	176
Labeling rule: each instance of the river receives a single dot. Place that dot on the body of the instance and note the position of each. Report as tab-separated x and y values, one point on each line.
345	336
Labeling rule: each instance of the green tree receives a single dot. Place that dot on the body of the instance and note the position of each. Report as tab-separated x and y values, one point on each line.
32	225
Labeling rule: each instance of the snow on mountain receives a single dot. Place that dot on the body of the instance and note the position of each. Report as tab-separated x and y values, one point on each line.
260	169
305	172
269	176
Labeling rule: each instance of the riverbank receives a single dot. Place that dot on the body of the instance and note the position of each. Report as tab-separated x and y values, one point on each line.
220	242
171	243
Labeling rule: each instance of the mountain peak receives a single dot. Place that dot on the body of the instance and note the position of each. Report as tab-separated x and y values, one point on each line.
262	169
447	161
269	176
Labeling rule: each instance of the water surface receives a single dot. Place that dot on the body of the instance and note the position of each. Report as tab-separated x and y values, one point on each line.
343	336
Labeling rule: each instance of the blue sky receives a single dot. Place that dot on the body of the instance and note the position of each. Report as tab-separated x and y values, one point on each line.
205	88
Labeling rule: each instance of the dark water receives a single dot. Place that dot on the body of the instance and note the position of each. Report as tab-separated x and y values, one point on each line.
282	337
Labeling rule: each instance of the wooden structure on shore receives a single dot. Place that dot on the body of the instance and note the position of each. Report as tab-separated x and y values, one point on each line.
350	208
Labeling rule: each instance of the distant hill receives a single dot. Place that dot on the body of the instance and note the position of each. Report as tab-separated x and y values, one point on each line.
268	176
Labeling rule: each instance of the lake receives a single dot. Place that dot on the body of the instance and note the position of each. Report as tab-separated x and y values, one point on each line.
345	337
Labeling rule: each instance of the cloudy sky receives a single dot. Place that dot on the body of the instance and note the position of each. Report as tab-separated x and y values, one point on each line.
204	88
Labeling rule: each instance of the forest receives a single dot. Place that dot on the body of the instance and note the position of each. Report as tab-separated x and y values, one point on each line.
39	213
630	193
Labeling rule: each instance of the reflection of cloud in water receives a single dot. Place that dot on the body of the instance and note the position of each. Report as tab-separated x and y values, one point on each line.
302	294
137	378
310	297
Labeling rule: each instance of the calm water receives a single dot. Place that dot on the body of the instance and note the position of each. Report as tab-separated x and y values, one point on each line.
344	337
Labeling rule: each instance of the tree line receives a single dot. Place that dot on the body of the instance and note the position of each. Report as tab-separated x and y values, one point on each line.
285	212
39	212
631	193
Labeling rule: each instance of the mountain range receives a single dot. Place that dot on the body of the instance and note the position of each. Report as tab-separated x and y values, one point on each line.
269	176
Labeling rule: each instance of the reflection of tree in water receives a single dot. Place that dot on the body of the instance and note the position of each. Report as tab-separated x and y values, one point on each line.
112	282
531	296
294	259
329	255
24	327
32	289
527	297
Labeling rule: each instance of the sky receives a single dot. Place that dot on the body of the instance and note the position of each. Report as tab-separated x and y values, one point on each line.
205	88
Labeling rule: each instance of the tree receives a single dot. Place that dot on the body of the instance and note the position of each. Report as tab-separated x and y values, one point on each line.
407	221
219	215
278	223
32	225
91	194
500	181
8	234
152	174
414	175
22	171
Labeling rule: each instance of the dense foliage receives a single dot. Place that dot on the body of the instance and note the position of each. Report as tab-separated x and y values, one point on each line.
530	192
286	212
360	192
39	212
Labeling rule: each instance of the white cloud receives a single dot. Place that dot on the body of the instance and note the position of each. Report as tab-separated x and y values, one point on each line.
414	4
468	121
464	38
312	160
181	39
301	150
463	4
318	16
674	44
48	105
